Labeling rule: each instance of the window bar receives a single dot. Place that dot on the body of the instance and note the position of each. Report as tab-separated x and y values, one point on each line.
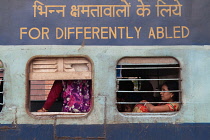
175	79
150	91
145	102
149	68
149	113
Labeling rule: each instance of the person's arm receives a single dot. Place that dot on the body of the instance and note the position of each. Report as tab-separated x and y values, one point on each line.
152	108
53	95
161	108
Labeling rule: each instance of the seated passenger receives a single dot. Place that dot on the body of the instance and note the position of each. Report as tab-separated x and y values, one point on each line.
125	96
148	96
76	96
165	97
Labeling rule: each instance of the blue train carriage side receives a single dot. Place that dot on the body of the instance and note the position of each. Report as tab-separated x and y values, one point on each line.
29	71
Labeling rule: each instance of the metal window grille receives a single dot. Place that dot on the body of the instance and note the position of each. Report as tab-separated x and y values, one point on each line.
138	71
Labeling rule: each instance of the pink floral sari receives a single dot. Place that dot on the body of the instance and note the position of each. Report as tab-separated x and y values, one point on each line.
77	96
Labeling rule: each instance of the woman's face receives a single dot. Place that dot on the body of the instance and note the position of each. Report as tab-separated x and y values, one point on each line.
166	96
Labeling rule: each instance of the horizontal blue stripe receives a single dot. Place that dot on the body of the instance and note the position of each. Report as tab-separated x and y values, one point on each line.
158	131
26	132
80	131
192	131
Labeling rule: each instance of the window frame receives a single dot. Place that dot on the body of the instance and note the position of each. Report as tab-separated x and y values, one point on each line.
60	114
121	61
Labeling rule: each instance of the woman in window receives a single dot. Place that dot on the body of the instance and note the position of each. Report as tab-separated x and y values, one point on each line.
76	96
165	97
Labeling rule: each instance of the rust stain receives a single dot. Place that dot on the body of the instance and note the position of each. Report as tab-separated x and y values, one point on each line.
82	45
7	127
4	127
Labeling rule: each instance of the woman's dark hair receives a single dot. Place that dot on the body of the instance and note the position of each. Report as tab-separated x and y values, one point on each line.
147	86
173	85
126	85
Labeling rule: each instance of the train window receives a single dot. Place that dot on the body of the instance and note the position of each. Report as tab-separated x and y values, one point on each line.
60	86
148	85
1	85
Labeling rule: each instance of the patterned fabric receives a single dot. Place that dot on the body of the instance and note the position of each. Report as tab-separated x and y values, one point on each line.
140	108
173	106
77	96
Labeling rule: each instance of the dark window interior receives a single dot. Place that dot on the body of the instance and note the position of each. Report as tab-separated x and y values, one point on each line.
142	81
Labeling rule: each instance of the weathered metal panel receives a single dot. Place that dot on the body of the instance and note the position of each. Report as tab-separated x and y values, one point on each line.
26	132
192	59
190	122
80	131
158	131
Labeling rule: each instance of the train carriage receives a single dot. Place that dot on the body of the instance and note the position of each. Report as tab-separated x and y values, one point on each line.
115	55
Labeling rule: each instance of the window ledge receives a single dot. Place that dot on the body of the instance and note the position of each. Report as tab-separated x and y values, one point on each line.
56	113
148	113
